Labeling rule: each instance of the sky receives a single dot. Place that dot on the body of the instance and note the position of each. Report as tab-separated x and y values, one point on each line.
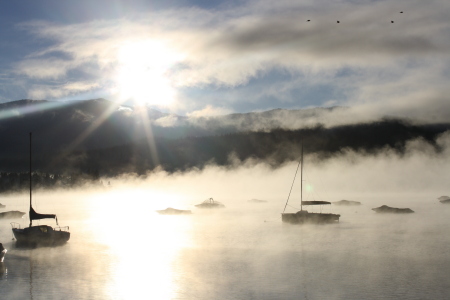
202	58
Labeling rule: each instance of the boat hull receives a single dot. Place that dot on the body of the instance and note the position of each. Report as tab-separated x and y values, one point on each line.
42	235
210	205
173	211
13	214
392	210
302	217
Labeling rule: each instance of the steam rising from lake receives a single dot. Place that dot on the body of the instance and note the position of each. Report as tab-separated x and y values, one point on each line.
122	249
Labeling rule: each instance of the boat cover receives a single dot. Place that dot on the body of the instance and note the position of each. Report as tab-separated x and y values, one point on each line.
315	202
35	216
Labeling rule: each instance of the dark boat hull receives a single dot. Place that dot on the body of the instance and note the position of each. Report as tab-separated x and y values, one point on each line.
13	214
392	210
173	211
302	217
210	205
42	235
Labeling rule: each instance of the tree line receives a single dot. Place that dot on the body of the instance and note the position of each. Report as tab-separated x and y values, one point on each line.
12	182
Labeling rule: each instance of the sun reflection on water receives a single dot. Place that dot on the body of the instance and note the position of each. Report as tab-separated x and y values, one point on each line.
143	245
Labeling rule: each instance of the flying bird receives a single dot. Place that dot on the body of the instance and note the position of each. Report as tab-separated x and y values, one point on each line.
392	21
338	22
401	12
308	21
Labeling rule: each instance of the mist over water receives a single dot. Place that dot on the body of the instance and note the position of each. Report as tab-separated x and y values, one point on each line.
120	248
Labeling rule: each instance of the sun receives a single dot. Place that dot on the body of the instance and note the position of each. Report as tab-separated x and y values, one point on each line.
144	73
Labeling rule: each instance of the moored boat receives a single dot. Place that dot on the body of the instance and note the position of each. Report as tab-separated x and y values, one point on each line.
12	214
210	203
303	216
39	235
393	210
257	201
173	211
444	199
347	203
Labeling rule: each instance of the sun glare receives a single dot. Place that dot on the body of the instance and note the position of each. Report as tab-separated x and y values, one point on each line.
143	74
144	243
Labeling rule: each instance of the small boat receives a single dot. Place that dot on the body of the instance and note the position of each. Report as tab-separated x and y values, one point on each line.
210	203
444	199
347	203
256	201
303	216
40	235
173	211
12	214
2	252
392	210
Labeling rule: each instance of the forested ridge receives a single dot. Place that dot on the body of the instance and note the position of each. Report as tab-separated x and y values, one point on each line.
87	140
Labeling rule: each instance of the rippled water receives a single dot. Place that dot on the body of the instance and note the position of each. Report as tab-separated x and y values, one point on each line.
121	249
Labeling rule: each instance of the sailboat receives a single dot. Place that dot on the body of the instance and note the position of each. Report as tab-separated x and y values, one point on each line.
40	235
303	216
210	203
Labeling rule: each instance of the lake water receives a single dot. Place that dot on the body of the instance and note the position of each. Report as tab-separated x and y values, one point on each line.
121	249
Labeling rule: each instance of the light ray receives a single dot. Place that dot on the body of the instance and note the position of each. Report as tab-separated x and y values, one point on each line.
150	137
35	106
97	122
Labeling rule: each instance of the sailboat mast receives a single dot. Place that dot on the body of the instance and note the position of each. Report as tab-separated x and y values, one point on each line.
30	181
301	182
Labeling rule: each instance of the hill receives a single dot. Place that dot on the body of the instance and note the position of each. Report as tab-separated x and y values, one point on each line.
82	136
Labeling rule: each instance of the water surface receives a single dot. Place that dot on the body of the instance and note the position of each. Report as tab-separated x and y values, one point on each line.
121	249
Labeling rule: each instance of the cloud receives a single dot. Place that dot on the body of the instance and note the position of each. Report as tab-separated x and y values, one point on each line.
58	91
209	111
420	171
365	59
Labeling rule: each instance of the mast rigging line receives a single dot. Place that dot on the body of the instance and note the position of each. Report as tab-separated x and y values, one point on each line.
293	181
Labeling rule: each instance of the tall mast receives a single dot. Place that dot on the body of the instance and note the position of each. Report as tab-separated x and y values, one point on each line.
301	185
292	185
30	179
301	182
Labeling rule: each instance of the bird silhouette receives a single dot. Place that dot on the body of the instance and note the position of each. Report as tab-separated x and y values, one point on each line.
338	22
308	21
392	21
401	12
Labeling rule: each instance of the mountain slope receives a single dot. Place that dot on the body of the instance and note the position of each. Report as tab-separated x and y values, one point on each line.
82	136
